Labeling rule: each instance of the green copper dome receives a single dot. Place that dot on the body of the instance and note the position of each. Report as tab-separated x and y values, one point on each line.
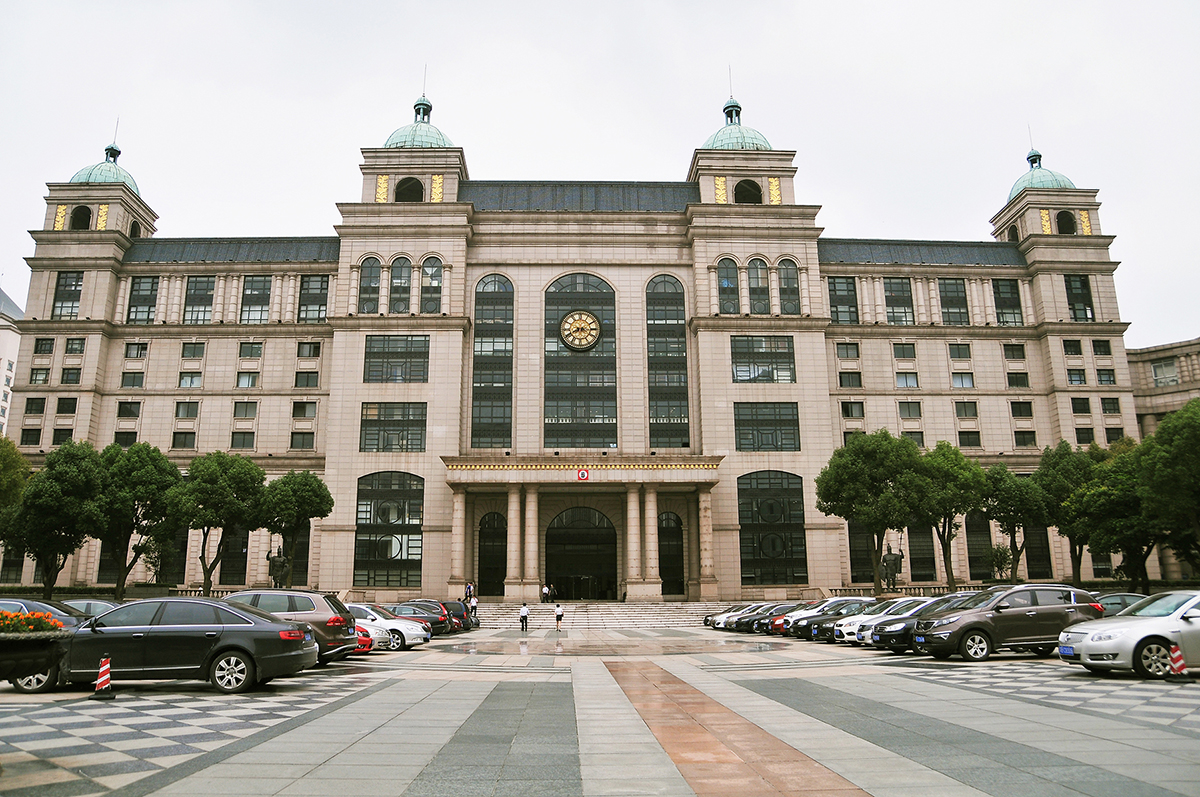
420	133
734	135
1037	177
106	172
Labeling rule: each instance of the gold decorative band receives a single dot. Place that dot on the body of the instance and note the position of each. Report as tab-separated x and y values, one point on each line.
1085	222
773	190
435	192
722	194
584	466
1045	222
381	188
60	217
102	218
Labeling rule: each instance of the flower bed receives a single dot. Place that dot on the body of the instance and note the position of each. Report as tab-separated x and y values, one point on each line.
19	623
29	643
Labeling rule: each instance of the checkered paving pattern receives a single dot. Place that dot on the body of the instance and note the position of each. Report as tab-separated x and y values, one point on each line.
1173	704
88	747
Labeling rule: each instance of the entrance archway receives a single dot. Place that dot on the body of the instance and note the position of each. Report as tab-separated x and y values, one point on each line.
493	551
581	555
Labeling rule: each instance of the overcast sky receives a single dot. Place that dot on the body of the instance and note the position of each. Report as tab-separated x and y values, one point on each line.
909	120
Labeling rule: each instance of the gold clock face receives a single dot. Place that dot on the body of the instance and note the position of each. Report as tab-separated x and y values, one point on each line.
579	329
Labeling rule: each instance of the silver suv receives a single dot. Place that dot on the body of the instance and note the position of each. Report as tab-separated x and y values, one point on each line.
332	623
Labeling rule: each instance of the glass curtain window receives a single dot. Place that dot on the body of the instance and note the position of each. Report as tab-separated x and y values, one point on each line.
198	300
843	300
387	537
789	288
897	295
763	358
314	298
766	426
1007	295
1079	298
431	285
396	358
728	301
760	288
580	408
256	299
771	531
954	302
492	365
398	291
666	345
979	546
392	426
143	296
67	289
368	285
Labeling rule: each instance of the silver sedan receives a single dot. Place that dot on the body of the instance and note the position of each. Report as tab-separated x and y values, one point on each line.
1139	638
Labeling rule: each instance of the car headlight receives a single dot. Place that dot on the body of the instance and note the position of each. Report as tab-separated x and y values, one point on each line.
947	620
890	628
1107	636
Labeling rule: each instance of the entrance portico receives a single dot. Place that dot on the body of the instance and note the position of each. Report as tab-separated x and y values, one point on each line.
593	522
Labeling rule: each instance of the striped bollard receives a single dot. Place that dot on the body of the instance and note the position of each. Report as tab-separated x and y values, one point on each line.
1178	668
104	681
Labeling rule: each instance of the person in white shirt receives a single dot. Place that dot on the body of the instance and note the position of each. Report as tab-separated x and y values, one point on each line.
558	613
524	617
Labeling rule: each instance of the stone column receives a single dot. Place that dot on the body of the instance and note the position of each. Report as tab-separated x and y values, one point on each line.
880	301
805	297
447	271
355	276
865	290
633	534
275	308
708	579
414	290
458	540
122	301
743	290
471	554
714	305
531	537
923	294
385	289
650	528
691	549
233	298
1027	308
217	314
773	287
512	569
976	302
989	302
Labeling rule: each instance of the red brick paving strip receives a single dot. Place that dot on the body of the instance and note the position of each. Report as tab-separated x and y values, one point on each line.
717	751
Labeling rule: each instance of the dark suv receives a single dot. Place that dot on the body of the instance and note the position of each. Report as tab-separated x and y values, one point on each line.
1026	617
332	623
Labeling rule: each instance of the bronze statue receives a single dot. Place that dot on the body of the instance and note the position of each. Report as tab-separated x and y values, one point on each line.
891	566
279	567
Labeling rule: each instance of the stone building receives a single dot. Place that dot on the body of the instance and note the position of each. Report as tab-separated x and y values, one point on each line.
625	389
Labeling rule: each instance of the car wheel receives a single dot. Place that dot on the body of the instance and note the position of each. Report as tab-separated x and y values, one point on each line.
975	646
232	672
38	682
398	642
1042	651
1152	658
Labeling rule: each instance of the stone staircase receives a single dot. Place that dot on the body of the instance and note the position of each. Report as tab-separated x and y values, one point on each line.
598	616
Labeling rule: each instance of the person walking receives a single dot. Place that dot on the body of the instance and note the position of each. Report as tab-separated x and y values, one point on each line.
475	607
558	612
524	617
545	593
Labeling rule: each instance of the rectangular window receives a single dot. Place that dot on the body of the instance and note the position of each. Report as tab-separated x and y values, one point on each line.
304	440
1018	379
848	434
969	440
43	346
847	351
314	297
1104	376
136	351
245	409
966	409
191	379
61	436
308	349
405	358
66	406
75	345
132	379
773	426
1081	406
250	350
124	439
1112	435
843	300
849	379
897	297
1102	348
916	437
31	437
35	406
910	409
256	299
1110	406
308	379
1164	372
187	409
241	440
1022	409
198	300
1007	295
183	440
39	376
192	351
71	376
904	351
1079	297
1025	439
954	302
906	379
304	409
392	427
129	409
1014	351
1073	348
763	359
1076	376
1085	435
67	289
960	351
852	409
143	296
245	379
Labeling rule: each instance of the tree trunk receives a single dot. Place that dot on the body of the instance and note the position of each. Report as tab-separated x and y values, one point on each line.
206	566
50	575
876	555
945	535
1076	562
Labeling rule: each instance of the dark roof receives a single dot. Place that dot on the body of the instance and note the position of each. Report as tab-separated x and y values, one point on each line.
954	253
578	196
237	250
10	308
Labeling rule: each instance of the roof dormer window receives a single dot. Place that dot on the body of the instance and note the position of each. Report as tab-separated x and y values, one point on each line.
410	190
747	192
81	218
1066	222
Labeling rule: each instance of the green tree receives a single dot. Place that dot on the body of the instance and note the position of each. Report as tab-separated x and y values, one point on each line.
1000	560
14	473
1170	480
138	505
944	486
289	505
1014	503
1062	471
225	492
62	505
863	482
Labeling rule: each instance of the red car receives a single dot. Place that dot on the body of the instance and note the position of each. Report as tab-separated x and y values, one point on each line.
365	644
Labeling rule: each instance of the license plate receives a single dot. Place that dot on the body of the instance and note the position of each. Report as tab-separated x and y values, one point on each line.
1066	650
307	637
920	639
814	631
874	637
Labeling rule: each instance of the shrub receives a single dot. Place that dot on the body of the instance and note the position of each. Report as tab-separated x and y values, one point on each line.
14	623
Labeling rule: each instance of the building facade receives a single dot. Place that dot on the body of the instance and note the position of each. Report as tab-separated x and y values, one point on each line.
625	389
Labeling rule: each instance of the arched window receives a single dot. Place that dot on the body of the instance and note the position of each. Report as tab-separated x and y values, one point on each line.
1066	222
666	352
760	288
580	408
492	372
772	537
789	287
727	287
387	538
431	285
410	189
747	192
81	218
368	285
399	292
1013	234
135	230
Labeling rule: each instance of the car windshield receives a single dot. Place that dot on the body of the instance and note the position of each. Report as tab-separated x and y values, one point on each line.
902	606
1160	605
384	613
982	599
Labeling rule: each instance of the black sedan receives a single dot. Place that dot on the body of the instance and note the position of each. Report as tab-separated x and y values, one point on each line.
896	633
232	645
804	627
439	620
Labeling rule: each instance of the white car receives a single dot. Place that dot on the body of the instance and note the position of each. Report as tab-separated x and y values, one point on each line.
1139	638
814	609
722	620
380	638
403	633
847	630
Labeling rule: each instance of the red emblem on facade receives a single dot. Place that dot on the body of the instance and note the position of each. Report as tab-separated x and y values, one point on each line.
582	474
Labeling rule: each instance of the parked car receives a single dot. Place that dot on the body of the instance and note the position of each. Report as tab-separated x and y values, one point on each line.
846	629
462	612
807	626
896	633
745	622
718	620
404	633
708	618
371	637
439	622
1139	638
821	627
782	625
726	621
91	606
231	645
67	615
1116	602
1026	617
332	622
763	624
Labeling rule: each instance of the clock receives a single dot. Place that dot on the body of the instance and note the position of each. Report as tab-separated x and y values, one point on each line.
579	329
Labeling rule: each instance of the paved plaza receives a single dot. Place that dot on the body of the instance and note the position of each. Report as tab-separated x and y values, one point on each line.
637	712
